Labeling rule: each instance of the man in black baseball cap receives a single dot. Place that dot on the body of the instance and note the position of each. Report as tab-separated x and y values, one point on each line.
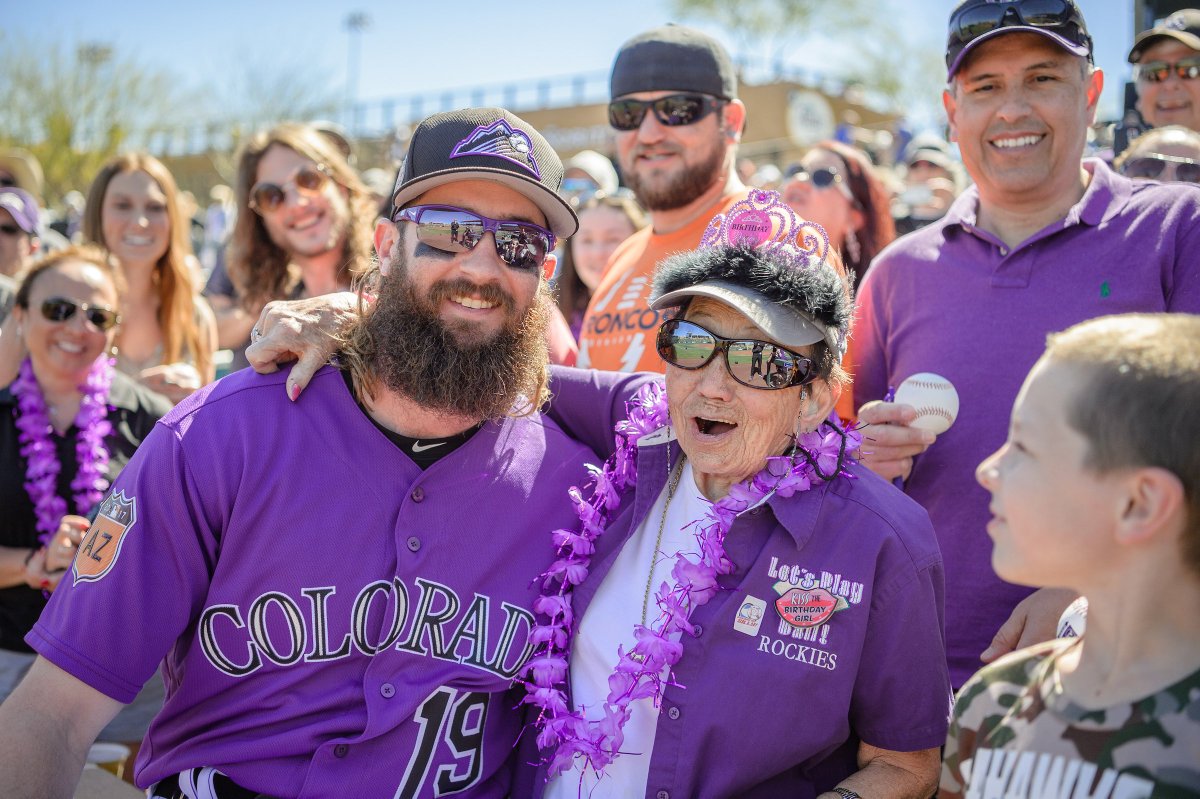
1166	62
421	481
678	121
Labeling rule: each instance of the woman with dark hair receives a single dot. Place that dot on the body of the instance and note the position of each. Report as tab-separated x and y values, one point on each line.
605	221
835	185
69	423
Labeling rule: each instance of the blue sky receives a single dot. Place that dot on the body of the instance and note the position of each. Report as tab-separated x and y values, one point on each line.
413	47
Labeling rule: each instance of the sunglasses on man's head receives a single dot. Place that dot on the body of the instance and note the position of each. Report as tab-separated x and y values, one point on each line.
520	245
60	309
974	20
1159	71
757	364
266	197
1162	167
673	110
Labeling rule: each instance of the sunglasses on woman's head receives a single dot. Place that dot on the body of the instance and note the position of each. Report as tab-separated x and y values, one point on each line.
673	110
753	363
1162	167
520	245
822	178
60	309
266	197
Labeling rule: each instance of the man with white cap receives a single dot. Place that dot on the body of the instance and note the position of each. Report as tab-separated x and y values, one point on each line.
331	611
1043	240
1166	65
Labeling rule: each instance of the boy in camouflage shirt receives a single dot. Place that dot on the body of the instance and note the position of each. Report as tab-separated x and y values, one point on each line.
1097	489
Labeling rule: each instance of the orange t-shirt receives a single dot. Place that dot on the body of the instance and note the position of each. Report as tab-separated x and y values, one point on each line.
619	327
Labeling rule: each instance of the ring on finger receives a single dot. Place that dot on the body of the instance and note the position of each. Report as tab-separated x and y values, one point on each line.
256	333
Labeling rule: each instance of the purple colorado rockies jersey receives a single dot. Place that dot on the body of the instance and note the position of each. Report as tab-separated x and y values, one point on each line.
770	703
335	622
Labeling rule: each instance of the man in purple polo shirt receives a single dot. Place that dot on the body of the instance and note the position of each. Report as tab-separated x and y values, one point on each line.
342	588
1042	241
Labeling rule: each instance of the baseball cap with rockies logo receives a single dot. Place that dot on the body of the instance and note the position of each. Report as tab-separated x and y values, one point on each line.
1183	26
976	21
486	144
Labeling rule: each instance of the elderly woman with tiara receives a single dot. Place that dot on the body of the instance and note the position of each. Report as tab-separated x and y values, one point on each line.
742	610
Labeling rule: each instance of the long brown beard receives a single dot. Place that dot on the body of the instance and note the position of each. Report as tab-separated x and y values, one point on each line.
447	368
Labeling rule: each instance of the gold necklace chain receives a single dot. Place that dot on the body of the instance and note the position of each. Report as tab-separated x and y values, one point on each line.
672	483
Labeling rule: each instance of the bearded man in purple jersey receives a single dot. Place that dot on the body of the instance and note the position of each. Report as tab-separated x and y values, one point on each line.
334	614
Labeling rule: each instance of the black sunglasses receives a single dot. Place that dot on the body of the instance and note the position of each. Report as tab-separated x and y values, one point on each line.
973	20
60	309
309	180
822	178
1159	71
757	364
1162	167
521	245
672	110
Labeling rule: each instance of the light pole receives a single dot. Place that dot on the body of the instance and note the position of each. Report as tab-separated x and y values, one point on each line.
355	23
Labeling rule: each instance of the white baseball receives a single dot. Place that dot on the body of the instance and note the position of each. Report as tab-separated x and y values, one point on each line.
934	399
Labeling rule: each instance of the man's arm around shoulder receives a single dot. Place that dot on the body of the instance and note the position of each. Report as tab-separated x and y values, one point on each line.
46	727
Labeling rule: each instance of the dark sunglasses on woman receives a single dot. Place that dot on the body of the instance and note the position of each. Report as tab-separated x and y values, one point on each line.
673	110
1162	167
267	197
520	245
757	364
60	309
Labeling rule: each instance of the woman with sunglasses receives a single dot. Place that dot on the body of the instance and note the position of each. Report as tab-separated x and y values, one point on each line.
168	337
743	610
303	228
69	423
1170	154
835	186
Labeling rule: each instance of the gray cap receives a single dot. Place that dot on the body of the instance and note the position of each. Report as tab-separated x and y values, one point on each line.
788	326
673	58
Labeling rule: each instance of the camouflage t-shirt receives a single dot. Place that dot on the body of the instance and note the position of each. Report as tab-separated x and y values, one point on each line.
1014	735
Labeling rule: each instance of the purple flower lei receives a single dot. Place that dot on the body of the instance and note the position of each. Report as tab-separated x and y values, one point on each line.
41	471
639	671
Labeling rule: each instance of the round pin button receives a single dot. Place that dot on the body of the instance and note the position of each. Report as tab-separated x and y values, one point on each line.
414	544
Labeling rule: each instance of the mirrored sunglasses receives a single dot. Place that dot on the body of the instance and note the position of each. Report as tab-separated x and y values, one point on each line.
757	364
673	110
1162	167
1159	71
60	309
520	245
267	197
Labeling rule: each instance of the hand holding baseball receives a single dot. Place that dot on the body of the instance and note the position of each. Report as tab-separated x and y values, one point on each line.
890	442
933	398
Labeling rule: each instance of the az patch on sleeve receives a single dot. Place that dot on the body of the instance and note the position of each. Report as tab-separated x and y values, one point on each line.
100	547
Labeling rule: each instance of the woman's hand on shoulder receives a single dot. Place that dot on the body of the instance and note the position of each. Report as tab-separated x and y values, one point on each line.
306	331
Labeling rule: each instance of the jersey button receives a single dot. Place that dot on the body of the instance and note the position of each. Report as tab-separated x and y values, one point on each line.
418	494
699	629
662	795
387	690
340	750
414	544
673	713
